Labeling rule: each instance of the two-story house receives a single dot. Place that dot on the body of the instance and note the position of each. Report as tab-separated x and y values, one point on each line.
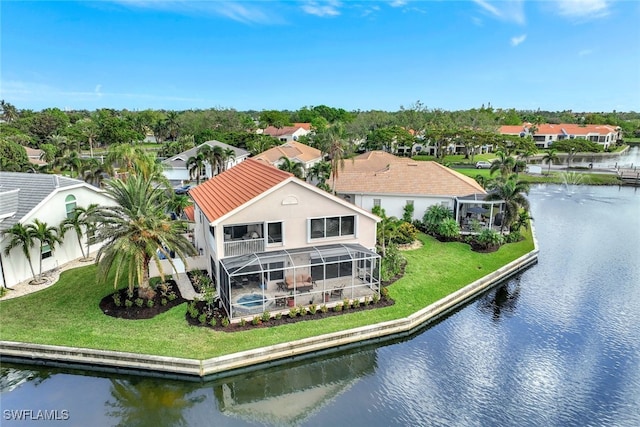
294	151
546	134
287	133
273	240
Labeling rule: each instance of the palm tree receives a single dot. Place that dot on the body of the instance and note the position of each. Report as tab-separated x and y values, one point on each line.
213	154
194	165
46	235
9	112
125	156
138	231
228	154
336	150
82	221
177	204
522	221
21	236
321	171
292	166
512	192
504	163
549	157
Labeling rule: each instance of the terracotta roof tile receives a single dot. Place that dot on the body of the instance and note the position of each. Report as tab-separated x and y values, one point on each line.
560	129
235	187
293	150
189	212
378	172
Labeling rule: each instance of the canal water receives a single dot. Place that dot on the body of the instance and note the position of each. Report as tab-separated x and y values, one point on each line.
558	345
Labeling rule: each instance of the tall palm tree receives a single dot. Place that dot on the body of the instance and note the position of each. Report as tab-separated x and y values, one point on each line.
195	165
9	112
512	192
213	154
292	166
177	204
228	154
321	171
125	156
336	149
21	236
136	232
46	234
82	222
551	156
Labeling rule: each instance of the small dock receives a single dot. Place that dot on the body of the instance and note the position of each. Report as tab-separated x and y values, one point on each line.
630	176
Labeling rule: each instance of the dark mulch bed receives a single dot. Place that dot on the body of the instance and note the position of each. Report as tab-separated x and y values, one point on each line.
109	307
285	319
475	246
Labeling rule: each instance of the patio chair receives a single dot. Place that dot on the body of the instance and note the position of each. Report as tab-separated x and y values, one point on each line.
337	292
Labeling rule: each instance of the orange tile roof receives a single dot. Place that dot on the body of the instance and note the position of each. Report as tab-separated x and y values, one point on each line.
378	172
286	130
293	150
189	212
305	126
235	187
560	129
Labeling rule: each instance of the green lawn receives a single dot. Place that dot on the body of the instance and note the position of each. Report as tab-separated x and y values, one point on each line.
554	178
67	313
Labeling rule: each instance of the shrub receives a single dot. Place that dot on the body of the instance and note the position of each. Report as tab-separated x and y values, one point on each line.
202	319
293	312
337	307
406	233
355	303
434	216
128	303
225	322
324	308
278	316
192	310
391	264
489	238
256	320
367	301
139	302
346	304
313	309
384	292
212	321
375	298
172	296
302	310
116	299
449	229
243	322
266	316
149	303
163	301
407	212
513	237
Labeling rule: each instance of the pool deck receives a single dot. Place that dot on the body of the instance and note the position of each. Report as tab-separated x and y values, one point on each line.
143	364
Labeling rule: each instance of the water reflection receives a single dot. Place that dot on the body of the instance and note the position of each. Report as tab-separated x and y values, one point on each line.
141	402
288	395
502	301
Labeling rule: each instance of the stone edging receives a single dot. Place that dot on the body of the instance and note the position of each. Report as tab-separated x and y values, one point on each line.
115	361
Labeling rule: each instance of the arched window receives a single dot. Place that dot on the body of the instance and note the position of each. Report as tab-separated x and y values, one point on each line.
70	204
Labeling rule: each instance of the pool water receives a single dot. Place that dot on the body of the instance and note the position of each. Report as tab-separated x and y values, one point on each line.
251	300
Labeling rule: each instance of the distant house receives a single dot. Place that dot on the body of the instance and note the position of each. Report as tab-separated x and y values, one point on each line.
288	133
35	156
50	199
293	150
177	171
272	239
547	134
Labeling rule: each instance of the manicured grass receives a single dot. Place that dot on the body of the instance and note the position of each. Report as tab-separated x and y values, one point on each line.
67	313
554	178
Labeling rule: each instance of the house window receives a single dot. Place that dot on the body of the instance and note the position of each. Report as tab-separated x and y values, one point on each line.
46	251
334	226
70	205
376	202
274	232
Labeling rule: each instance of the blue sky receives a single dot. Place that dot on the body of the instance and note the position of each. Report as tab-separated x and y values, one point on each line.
582	55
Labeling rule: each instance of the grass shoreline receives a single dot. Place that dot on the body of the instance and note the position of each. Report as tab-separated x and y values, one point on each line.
67	313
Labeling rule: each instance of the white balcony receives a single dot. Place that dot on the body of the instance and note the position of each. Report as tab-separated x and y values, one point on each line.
243	247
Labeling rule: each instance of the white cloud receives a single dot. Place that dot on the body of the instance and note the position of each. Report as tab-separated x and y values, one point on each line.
98	89
510	11
245	12
583	9
398	3
515	41
329	8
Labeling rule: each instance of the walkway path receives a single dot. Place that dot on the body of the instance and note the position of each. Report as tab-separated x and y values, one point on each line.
52	276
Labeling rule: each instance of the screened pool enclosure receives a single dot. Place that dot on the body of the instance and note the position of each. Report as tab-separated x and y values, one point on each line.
269	281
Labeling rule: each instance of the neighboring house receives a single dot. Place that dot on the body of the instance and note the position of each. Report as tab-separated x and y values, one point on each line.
35	156
48	198
288	133
378	178
547	134
176	169
272	239
293	150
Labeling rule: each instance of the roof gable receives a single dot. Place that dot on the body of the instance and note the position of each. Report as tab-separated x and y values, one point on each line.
292	150
236	186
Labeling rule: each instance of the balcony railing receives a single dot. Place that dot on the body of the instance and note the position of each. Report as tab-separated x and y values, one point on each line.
242	247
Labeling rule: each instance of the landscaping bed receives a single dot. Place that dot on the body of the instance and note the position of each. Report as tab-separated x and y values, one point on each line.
124	305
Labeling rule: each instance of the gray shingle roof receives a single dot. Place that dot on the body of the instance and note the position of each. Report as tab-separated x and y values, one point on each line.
33	189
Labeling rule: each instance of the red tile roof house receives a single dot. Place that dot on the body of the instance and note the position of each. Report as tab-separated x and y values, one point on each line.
293	150
546	134
287	133
272	240
378	178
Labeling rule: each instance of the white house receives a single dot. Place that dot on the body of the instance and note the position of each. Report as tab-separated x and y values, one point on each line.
271	237
546	134
176	169
378	178
287	133
25	197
